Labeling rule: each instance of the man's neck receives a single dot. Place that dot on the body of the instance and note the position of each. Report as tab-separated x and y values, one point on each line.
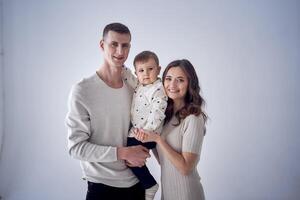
110	75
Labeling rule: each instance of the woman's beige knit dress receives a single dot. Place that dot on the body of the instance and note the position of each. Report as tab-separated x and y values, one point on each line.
186	137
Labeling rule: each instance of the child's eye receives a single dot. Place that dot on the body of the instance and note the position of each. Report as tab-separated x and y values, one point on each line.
141	70
150	68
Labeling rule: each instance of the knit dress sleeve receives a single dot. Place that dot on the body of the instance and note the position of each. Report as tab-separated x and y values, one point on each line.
193	133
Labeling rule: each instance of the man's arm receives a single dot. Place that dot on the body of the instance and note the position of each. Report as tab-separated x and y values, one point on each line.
135	156
79	130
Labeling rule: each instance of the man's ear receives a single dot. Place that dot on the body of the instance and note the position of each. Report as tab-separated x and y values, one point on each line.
101	44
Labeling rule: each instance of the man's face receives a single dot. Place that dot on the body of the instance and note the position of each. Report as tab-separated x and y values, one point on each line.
147	71
116	48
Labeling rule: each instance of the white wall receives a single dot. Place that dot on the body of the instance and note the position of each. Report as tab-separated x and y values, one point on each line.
247	57
1	81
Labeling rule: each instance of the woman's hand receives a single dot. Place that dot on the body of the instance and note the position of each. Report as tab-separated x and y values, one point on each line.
146	136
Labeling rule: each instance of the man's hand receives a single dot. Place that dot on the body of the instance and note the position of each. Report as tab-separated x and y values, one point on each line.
134	156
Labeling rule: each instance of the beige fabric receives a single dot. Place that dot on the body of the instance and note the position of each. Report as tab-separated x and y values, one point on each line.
98	122
187	137
149	103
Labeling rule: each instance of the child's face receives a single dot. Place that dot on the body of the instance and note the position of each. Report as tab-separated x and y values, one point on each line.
147	72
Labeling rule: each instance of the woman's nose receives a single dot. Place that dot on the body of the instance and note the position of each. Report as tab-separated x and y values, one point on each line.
173	83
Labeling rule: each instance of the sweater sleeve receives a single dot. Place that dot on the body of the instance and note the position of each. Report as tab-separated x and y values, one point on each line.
193	134
79	131
157	113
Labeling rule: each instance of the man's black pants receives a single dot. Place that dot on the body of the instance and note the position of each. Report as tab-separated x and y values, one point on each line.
99	191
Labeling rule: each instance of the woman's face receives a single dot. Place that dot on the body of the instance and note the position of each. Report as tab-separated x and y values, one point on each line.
176	84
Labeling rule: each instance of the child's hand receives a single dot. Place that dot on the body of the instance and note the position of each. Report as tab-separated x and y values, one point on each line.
145	136
139	135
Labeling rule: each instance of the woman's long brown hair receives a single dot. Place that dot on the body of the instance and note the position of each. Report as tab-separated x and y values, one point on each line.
194	102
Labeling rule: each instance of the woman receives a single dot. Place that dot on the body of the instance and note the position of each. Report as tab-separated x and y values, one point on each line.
180	142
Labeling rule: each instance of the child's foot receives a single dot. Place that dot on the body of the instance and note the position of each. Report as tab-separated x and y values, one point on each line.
150	192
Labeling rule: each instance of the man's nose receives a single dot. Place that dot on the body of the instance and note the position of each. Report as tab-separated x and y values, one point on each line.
120	50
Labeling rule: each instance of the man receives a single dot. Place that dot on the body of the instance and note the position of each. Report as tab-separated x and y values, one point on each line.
98	122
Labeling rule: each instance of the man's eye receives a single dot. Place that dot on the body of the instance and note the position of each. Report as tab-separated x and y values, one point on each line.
114	44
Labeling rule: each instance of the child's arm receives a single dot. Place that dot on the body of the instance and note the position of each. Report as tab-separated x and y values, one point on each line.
157	114
128	77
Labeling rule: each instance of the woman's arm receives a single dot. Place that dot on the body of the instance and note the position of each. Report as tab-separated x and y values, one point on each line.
184	161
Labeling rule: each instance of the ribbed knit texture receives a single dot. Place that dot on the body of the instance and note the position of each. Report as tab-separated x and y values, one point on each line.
187	137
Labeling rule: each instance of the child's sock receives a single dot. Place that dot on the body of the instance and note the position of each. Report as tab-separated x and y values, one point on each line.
150	192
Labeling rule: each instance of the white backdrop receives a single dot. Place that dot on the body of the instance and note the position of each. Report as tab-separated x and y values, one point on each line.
1	81
246	54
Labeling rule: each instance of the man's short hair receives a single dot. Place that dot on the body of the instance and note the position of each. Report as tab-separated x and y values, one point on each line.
144	56
116	27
